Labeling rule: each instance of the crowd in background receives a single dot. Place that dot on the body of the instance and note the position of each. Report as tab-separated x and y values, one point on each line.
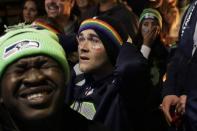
171	11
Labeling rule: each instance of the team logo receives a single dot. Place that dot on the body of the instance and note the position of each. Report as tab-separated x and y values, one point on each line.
19	46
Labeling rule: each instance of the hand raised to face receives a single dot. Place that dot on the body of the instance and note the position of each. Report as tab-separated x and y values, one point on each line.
149	30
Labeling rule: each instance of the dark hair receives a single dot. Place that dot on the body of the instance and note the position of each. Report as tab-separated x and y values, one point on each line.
39	6
76	9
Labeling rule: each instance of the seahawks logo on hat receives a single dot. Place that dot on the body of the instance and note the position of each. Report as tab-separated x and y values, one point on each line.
149	15
16	47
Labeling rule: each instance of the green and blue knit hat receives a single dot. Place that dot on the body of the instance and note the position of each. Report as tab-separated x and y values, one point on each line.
110	32
150	13
24	42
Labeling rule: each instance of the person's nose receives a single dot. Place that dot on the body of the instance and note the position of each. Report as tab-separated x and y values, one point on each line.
84	46
33	76
28	12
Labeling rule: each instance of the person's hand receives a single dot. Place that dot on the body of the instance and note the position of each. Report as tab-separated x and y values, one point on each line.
180	107
168	102
150	36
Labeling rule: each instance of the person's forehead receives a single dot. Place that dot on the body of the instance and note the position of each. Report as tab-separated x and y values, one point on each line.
37	58
88	32
149	20
30	4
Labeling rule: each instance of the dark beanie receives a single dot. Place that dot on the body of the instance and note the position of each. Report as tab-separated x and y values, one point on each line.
110	32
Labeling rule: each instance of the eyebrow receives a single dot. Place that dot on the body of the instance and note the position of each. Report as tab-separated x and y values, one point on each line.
94	35
91	35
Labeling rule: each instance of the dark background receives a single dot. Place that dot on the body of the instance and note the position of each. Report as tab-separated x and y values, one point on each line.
10	10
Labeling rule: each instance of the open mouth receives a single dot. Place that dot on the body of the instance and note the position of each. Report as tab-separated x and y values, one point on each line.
84	58
53	7
36	95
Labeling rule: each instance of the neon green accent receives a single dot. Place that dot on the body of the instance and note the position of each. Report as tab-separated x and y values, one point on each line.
48	45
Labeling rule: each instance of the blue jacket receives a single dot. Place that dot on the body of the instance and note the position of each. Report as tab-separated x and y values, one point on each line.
182	70
120	98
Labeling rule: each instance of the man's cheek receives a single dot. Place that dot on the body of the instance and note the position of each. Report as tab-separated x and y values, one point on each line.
97	48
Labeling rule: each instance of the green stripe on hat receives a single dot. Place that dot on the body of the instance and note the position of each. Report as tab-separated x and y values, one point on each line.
151	13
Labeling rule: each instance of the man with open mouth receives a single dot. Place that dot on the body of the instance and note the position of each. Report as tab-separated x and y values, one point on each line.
33	75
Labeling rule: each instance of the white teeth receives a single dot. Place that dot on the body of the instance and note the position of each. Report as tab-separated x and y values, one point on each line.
35	96
52	7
